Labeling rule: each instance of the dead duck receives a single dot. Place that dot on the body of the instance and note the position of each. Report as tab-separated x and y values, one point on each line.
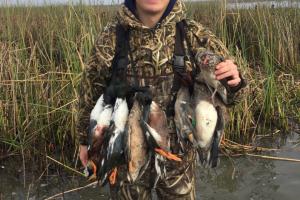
207	61
184	117
201	122
107	135
114	146
110	112
200	117
208	99
209	125
155	127
100	118
137	154
112	152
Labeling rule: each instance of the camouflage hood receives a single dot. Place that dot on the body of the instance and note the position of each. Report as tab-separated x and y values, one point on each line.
127	18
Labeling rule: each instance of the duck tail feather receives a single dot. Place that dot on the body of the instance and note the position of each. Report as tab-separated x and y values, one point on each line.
217	138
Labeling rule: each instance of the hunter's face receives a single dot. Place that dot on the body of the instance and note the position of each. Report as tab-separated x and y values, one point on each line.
152	6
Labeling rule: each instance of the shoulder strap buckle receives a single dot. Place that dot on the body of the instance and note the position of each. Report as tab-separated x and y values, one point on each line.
178	61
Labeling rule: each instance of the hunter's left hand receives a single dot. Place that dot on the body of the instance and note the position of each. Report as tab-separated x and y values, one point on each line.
226	69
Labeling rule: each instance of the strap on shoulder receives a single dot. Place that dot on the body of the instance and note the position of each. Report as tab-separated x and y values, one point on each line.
118	66
121	48
181	76
181	54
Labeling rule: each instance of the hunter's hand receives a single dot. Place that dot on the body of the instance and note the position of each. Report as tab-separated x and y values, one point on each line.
228	69
83	154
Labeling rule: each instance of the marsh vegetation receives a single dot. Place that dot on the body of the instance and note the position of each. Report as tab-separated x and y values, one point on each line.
43	51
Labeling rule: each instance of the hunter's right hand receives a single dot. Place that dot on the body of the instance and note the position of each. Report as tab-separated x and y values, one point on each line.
83	154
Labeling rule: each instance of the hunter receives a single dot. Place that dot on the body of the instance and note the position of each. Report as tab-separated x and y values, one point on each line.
151	27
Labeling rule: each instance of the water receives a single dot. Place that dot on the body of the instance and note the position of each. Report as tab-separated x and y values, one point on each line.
240	178
255	178
273	4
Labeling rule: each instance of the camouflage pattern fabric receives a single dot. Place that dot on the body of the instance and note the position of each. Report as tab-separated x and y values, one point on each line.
152	53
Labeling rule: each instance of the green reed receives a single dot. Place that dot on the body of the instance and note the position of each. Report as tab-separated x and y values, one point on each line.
265	40
43	51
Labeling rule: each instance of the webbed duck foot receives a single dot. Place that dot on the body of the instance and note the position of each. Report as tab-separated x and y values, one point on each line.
167	154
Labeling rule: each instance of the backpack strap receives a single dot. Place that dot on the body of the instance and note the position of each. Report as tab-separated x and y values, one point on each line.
189	48
181	54
181	76
120	59
118	85
119	66
123	51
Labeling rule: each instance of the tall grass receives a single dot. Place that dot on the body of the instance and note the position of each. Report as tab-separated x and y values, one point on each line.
43	50
266	39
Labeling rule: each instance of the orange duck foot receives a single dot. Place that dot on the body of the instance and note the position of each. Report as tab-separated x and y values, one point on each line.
168	155
113	176
92	168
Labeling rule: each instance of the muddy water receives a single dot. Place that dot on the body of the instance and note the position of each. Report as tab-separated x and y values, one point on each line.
240	178
256	179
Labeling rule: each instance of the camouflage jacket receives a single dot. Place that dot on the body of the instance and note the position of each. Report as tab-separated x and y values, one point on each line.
152	52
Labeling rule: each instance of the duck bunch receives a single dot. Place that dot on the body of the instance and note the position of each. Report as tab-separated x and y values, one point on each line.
119	135
155	127
107	127
199	116
122	134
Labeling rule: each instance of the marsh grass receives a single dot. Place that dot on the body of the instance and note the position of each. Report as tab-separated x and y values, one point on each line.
43	51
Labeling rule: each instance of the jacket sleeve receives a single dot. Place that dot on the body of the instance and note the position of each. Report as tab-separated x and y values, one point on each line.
94	79
201	38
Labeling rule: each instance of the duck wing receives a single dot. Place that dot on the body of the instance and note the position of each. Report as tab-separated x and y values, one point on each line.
184	115
158	126
96	111
219	131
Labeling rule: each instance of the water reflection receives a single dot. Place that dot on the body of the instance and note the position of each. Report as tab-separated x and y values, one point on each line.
253	178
